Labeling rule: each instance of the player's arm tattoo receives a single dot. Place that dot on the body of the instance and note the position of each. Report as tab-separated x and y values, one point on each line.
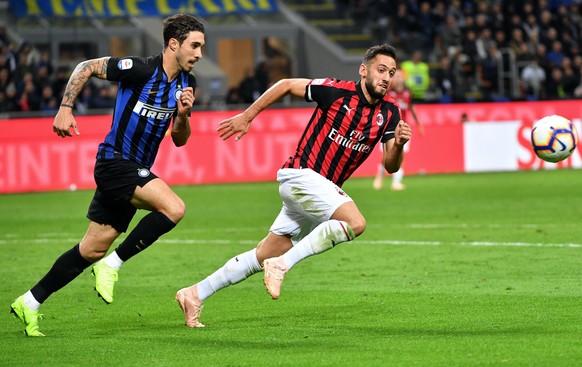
81	75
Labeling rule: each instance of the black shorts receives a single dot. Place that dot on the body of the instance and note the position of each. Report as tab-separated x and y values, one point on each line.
116	181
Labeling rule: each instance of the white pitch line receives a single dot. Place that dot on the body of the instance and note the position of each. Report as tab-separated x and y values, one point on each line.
358	242
63	235
477	225
471	243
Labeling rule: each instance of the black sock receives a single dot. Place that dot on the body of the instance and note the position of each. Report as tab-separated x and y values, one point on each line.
67	267
147	231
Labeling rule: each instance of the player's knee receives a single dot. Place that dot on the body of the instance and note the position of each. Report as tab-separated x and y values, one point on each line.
97	241
93	253
272	246
176	211
358	225
95	256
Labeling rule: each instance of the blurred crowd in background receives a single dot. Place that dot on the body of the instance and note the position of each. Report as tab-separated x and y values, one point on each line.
463	46
29	81
451	51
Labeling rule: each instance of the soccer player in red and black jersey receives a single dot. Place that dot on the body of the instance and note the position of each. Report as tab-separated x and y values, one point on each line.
401	94
349	120
155	94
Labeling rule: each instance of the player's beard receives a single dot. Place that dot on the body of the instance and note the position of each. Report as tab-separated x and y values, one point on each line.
372	90
183	62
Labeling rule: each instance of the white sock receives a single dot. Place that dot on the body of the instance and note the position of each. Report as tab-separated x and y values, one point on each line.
30	301
113	260
397	176
235	270
322	238
380	172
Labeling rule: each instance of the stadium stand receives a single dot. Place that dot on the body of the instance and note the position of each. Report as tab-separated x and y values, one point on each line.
341	23
486	45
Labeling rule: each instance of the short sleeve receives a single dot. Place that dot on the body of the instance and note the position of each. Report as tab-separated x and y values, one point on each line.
395	118
131	70
320	91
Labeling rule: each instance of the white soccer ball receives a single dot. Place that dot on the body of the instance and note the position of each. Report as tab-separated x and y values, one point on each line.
554	138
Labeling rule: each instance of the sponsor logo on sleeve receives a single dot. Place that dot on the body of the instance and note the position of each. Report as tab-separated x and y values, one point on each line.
125	64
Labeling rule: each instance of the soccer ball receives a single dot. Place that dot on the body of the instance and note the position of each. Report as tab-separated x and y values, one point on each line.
554	138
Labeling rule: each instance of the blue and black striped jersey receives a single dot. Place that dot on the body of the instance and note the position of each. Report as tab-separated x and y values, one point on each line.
145	104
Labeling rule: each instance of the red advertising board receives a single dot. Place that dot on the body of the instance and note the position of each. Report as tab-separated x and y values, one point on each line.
33	158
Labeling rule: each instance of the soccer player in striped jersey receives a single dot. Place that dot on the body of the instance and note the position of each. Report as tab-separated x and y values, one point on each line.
154	93
349	120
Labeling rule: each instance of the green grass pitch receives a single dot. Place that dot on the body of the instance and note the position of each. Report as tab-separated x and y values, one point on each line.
457	270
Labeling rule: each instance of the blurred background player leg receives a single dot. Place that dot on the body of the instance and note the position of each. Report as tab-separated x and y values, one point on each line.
397	184
397	176
379	179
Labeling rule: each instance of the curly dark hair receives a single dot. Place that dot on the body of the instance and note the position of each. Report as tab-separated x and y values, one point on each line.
179	26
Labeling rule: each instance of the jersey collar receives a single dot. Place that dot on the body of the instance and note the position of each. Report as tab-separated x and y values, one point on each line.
363	96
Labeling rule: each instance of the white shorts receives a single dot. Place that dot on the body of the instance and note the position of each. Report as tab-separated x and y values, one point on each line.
308	200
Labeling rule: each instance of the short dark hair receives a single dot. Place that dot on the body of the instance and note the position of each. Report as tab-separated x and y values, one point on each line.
179	26
384	49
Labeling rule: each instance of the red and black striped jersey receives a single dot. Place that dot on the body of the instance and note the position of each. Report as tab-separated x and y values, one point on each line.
343	129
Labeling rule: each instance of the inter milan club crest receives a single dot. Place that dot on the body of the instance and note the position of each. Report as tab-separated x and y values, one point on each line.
178	93
380	119
143	172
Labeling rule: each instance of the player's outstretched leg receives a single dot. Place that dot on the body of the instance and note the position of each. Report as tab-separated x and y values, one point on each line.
237	269
191	305
66	268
